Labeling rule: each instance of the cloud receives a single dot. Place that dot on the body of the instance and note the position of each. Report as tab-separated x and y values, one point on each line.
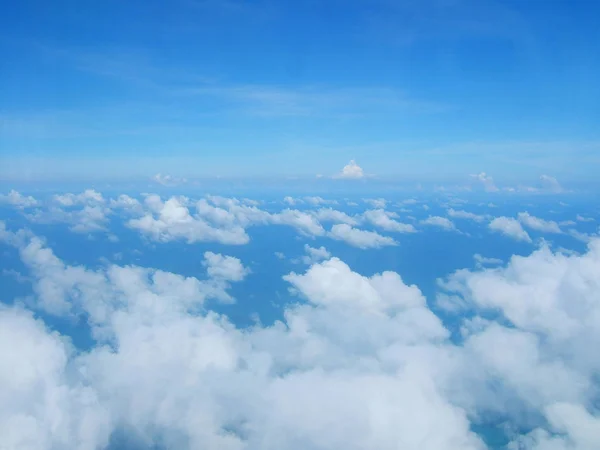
88	219
550	184
481	261
383	220
314	255
378	203
319	201
332	215
225	268
509	227
18	200
168	180
88	197
171	220
580	218
486	181
440	222
351	171
459	214
291	200
358	362
535	223
359	238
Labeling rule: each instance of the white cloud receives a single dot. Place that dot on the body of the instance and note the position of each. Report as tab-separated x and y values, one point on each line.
361	363
89	219
509	227
580	218
291	200
459	214
319	201
481	261
315	255
360	238
168	180
351	171
332	215
225	268
378	203
440	222
383	219
280	255
550	184
486	181
172	220
88	197
535	223
18	200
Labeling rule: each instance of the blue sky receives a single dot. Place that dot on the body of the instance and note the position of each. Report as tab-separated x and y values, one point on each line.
422	91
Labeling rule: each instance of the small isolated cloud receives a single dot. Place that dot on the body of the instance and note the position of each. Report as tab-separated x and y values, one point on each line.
18	200
486	181
459	214
509	227
383	219
227	268
376	202
315	255
291	200
440	222
360	238
481	261
535	223
351	171
550	184
319	201
580	218
279	255
168	180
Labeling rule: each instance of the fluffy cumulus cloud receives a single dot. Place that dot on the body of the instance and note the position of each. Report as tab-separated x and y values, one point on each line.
441	222
509	227
357	362
385	220
460	214
18	200
351	171
550	184
486	181
535	223
359	238
315	255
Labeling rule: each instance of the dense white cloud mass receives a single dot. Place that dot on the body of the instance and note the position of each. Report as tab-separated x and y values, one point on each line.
359	238
535	223
359	362
509	227
441	222
481	261
18	200
383	219
351	171
547	356
172	220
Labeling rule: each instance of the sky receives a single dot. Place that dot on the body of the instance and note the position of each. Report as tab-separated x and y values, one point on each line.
429	91
260	225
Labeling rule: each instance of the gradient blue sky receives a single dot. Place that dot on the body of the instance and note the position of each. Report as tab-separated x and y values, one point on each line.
432	90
